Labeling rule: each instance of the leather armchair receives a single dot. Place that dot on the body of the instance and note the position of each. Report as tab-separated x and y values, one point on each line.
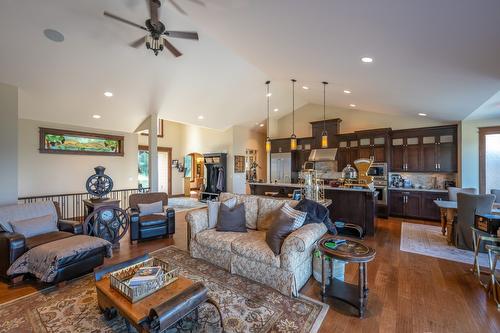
13	245
149	226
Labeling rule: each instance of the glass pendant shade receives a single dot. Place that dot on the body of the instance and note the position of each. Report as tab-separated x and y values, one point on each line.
268	145
324	140
293	142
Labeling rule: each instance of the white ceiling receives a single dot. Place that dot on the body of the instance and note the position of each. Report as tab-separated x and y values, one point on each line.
437	57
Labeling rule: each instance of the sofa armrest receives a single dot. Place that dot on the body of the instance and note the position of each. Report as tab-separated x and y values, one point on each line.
134	224
303	238
75	227
197	222
12	246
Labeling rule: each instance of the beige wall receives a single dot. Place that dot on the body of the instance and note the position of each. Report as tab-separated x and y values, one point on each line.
352	120
8	144
470	150
41	174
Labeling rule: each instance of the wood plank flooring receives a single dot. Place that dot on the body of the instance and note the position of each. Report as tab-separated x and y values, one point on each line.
408	292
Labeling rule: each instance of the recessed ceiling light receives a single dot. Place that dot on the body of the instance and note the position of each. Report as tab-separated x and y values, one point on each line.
201	117
53	35
347	91
422	114
108	94
367	59
352	105
269	94
305	87
276	110
261	125
96	116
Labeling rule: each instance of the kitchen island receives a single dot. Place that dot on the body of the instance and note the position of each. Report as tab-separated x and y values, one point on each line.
357	206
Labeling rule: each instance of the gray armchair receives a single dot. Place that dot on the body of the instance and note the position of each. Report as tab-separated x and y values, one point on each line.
468	205
453	191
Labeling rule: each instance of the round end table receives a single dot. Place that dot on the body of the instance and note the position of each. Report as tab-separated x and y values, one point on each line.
350	252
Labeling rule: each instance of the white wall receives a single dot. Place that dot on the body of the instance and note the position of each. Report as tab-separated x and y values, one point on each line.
8	144
470	150
41	174
352	120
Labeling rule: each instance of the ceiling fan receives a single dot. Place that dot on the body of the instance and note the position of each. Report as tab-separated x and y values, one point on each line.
156	39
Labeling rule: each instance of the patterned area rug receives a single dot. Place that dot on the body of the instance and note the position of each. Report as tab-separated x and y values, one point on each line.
185	204
246	306
428	240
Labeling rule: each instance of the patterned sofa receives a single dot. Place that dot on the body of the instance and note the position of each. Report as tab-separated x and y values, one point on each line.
247	254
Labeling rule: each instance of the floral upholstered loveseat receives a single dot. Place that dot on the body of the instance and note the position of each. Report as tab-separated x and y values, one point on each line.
247	254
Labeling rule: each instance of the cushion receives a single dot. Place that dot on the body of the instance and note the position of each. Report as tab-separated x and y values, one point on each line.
218	240
298	216
152	220
266	221
26	211
46	238
266	206
213	210
231	219
254	247
152	208
34	226
251	207
278	231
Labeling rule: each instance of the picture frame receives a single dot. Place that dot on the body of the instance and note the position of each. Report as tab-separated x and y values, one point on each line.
188	163
59	141
239	164
175	163
297	195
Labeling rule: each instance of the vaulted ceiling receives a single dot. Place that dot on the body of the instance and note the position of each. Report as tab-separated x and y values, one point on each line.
436	57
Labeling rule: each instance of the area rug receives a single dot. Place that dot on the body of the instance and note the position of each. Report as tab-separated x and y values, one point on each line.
246	306
428	240
185	204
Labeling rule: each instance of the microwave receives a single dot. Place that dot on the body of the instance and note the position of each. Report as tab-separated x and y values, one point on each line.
378	170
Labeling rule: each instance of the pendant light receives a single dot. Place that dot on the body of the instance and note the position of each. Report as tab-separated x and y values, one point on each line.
324	135
293	137
268	139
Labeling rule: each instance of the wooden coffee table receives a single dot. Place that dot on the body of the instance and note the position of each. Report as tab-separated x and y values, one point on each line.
349	252
137	314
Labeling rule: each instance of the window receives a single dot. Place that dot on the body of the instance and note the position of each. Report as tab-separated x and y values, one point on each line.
489	158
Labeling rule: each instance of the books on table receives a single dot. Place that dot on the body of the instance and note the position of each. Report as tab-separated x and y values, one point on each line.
145	275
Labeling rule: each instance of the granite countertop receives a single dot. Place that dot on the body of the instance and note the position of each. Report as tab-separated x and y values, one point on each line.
418	189
326	187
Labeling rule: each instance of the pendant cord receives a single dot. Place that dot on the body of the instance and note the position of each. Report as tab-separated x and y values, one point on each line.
293	106
268	100
324	105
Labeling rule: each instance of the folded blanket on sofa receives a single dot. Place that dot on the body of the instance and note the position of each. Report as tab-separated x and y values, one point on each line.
44	260
316	213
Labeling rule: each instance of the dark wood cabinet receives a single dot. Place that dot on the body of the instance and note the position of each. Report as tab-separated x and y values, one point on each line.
332	127
280	145
373	144
405	153
348	150
415	204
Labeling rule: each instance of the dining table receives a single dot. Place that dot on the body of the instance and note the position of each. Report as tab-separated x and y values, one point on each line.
448	211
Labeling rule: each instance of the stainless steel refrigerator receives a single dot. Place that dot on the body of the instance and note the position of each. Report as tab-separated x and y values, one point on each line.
281	168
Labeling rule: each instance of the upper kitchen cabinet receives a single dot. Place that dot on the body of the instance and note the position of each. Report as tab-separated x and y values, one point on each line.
332	127
374	144
280	145
430	149
348	150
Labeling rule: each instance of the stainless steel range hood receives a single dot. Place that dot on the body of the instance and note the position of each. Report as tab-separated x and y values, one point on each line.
320	155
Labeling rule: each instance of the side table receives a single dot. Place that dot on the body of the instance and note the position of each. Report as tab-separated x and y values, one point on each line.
350	252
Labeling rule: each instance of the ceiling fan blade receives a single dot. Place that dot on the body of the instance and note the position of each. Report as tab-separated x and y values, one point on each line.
171	48
179	8
198	2
138	42
182	34
153	9
125	21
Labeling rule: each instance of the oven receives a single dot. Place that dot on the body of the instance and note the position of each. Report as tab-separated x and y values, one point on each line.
378	171
382	193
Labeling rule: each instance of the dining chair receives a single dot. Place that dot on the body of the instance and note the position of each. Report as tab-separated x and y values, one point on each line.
497	193
453	191
468	205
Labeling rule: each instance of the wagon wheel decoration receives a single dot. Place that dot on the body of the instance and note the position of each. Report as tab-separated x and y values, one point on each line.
107	222
99	185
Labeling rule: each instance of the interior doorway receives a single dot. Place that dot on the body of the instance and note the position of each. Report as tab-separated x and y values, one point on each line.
164	168
194	173
489	158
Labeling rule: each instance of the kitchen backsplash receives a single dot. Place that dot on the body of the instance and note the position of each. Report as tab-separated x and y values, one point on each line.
425	180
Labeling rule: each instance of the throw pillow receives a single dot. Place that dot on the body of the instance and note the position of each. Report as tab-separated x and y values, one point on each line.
231	219
149	209
34	226
213	210
279	229
298	217
266	222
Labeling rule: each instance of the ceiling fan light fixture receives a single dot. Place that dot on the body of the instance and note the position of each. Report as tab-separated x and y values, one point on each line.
154	44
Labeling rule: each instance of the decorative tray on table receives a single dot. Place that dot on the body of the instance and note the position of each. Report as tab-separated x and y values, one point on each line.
120	279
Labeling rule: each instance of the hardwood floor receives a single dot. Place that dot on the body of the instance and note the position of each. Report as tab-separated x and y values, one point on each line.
408	292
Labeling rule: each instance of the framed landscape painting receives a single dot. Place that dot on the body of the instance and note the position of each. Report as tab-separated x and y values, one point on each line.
56	141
